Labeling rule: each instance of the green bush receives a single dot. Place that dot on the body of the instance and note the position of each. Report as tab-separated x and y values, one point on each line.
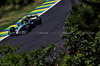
81	28
85	17
35	58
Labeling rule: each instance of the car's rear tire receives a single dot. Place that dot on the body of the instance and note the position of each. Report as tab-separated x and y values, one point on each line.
39	21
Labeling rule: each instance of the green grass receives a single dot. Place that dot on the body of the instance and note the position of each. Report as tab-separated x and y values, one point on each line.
12	17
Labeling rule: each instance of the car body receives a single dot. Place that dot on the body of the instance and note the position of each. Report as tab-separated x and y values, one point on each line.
26	25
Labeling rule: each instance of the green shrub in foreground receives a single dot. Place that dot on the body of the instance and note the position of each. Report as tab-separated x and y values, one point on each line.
83	46
35	58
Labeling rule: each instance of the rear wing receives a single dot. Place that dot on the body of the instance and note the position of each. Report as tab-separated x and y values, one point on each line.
32	16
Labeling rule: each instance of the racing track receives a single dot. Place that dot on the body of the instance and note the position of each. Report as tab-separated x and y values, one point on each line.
50	30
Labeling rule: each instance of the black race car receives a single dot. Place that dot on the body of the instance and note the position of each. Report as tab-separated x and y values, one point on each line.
26	25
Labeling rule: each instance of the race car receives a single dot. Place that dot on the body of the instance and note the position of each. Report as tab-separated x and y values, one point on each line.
26	25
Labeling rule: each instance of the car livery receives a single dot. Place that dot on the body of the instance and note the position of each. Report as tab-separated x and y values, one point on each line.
26	25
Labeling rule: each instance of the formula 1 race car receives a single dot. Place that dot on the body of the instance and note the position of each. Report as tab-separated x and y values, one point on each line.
26	25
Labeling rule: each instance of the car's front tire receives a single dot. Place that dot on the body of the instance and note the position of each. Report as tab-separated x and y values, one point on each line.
12	31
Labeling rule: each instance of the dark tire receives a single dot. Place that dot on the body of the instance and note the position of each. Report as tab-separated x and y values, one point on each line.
39	21
12	29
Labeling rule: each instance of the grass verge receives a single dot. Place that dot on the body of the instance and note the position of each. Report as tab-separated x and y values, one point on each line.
13	16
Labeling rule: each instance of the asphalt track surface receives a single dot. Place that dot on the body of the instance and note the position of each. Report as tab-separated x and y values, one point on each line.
49	31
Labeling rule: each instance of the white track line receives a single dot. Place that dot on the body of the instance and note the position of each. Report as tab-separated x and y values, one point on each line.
39	15
4	37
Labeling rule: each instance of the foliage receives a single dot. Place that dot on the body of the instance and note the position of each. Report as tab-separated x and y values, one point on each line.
92	1
37	57
82	25
86	17
82	51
